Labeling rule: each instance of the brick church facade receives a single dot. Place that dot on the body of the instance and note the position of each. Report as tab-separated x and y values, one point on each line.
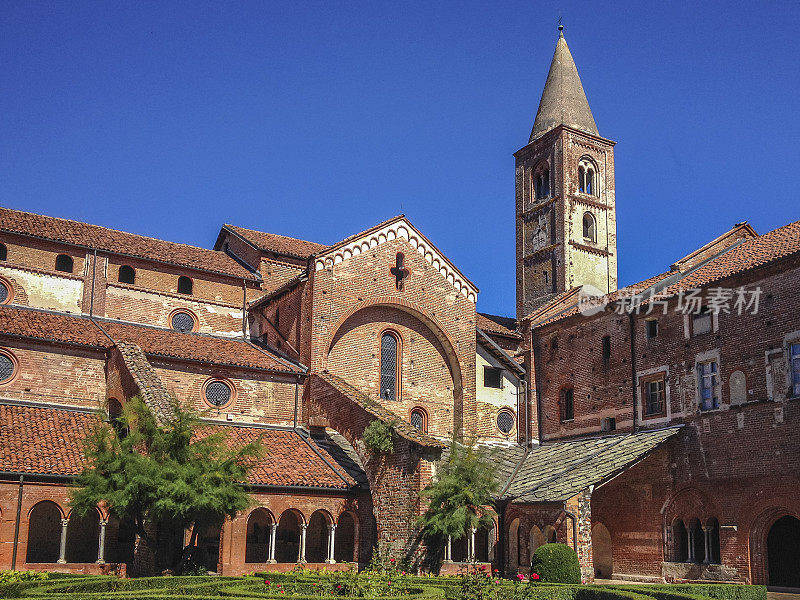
652	427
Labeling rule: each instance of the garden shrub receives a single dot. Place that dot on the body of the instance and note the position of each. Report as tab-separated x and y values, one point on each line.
378	437
556	563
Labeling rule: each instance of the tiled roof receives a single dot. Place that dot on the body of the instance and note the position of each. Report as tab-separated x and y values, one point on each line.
279	244
120	242
154	341
556	471
401	427
48	440
57	327
749	254
495	324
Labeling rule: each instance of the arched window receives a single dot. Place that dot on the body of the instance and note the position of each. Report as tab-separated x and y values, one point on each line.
419	419
389	361
589	227
541	182
588	180
697	542
127	274
184	285
6	292
3	252
44	533
64	263
712	541
680	542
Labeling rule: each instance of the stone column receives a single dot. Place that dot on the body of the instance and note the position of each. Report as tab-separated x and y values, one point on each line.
302	554
331	543
101	544
471	546
492	533
691	556
62	552
273	533
707	544
448	550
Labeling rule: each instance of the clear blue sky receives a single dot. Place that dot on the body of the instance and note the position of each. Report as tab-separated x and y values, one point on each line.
319	119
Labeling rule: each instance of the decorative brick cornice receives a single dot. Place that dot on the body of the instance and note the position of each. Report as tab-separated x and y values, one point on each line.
590	249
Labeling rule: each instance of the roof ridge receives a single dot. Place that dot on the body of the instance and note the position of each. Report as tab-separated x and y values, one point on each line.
286	237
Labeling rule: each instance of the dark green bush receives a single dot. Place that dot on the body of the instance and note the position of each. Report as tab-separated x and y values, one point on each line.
556	563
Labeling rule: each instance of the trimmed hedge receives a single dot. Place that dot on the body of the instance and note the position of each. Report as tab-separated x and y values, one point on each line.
300	587
556	563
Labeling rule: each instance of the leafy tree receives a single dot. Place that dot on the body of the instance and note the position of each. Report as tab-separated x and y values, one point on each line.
461	496
167	471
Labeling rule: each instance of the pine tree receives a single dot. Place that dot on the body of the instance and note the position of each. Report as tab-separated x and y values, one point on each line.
169	471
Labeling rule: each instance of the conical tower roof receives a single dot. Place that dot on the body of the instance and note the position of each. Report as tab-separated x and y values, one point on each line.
563	99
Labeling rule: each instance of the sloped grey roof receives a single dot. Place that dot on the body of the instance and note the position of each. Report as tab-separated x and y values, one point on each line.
556	471
563	99
335	444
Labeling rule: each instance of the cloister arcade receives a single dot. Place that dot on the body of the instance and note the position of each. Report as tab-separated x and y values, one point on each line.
55	535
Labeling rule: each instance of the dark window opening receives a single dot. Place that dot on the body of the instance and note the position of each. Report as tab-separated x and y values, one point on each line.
546	277
418	420
492	377
567	404
655	393
651	327
388	367
64	263
554	343
6	368
795	367
277	317
542	184
127	274
607	348
608	424
3	252
581	180
680	542
589	181
708	377
182	321
185	285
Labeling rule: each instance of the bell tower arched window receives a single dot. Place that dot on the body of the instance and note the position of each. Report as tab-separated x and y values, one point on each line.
589	227
541	182
588	179
390	358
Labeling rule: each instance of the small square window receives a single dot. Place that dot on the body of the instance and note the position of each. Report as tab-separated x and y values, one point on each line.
608	424
651	328
492	377
701	322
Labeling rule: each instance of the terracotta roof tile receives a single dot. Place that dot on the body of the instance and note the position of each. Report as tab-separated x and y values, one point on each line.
120	242
495	324
279	244
154	341
48	440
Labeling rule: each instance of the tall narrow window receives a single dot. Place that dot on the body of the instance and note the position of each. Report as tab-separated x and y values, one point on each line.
389	361
127	274
64	263
419	420
606	348
541	183
589	181
3	252
567	404
795	350
184	285
589	227
708	377
654	396
581	180
701	321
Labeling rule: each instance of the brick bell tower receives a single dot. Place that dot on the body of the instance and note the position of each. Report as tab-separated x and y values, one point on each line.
565	207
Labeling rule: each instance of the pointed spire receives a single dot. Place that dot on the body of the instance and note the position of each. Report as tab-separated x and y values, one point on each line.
563	99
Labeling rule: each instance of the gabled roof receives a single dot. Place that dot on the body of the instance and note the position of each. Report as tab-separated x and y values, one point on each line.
505	326
557	471
563	100
401	427
279	244
47	440
154	341
121	243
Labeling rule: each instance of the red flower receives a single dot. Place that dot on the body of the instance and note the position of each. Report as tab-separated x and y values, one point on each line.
520	576
535	577
482	567
266	582
391	560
